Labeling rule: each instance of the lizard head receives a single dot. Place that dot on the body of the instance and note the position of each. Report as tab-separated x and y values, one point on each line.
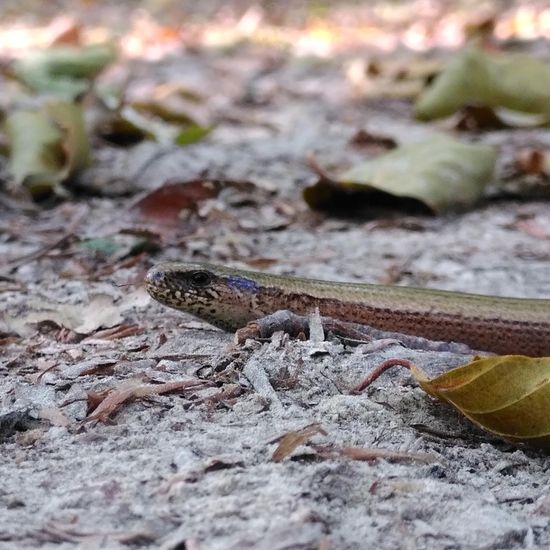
221	296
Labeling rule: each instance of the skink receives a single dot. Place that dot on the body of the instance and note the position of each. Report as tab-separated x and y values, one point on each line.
230	298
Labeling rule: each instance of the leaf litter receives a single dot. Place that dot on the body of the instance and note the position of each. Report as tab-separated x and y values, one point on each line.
100	312
301	106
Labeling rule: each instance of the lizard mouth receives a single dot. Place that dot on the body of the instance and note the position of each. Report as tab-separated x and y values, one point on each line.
157	286
155	278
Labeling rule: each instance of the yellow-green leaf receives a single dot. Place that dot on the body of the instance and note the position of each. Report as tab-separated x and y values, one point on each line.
507	395
64	71
129	125
76	146
441	172
47	146
35	153
514	81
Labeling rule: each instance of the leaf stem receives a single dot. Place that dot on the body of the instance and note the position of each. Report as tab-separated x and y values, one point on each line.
378	371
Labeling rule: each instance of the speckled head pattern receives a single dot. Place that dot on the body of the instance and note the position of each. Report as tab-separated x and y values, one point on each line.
223	299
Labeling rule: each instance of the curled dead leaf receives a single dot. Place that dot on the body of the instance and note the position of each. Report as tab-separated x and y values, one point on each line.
514	81
291	440
437	174
106	403
47	146
535	162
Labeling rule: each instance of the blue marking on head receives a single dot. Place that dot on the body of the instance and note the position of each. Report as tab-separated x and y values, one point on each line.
240	283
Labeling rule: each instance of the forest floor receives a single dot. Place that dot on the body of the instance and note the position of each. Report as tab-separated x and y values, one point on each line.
194	468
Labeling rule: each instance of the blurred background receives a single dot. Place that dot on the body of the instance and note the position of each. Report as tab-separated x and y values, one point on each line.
151	27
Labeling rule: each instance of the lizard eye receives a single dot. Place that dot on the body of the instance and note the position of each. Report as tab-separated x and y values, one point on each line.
200	278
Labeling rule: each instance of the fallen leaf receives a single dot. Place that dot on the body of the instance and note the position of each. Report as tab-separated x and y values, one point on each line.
506	395
261	263
371	455
291	440
64	71
127	126
35	155
105	246
174	107
179	207
191	134
115	333
517	119
368	141
69	117
387	78
122	130
170	114
165	205
474	118
65	29
110	401
47	146
100	312
514	81
481	29
534	162
216	465
54	416
441	173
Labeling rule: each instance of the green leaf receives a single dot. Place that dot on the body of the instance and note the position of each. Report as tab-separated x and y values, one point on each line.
47	146
70	118
104	246
513	81
35	152
507	395
64	71
191	135
440	172
128	126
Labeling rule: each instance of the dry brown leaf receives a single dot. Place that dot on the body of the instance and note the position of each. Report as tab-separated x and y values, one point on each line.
54	416
100	311
216	465
370	455
111	400
373	143
117	332
475	118
535	162
165	205
291	440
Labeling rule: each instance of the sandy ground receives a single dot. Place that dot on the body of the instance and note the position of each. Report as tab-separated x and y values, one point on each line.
182	471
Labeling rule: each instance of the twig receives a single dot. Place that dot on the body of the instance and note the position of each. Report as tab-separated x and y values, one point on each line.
378	371
27	258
